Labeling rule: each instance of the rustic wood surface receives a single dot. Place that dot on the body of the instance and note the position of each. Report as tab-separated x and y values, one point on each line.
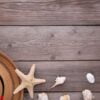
51	42
50	12
62	37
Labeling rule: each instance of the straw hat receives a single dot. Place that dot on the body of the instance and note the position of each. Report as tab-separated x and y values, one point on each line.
8	79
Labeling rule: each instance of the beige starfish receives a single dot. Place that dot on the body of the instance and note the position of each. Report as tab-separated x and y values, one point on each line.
28	81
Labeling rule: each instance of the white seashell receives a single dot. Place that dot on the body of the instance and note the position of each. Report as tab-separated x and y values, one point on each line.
87	95
43	96
65	97
90	77
59	80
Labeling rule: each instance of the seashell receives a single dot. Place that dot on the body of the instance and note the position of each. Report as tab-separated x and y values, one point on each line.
90	77
65	97
87	95
43	96
59	80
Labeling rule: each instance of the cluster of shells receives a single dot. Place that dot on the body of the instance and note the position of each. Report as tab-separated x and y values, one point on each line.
87	95
44	96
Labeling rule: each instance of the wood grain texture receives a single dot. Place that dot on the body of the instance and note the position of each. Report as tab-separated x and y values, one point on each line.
75	71
56	96
55	12
51	42
71	51
27	1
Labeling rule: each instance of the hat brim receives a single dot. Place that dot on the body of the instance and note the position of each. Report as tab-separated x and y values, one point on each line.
8	79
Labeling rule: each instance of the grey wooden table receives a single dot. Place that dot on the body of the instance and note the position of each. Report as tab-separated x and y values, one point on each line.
62	37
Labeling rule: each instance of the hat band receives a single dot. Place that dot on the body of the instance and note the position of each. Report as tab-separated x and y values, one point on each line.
2	85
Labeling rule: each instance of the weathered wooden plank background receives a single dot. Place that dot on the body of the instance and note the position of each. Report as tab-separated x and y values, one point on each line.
51	42
50	12
62	37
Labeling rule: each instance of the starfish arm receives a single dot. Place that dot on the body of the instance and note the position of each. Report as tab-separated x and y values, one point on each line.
32	71
20	74
30	90
39	81
19	88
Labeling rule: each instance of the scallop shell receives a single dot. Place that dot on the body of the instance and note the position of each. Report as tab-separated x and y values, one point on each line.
43	96
87	95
